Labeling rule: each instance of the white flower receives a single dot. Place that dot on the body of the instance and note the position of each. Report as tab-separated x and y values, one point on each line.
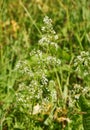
43	28
44	80
47	20
56	37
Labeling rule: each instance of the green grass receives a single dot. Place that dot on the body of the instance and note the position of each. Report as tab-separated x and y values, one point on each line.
44	64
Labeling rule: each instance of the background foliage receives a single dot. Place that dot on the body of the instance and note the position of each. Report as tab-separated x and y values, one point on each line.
44	64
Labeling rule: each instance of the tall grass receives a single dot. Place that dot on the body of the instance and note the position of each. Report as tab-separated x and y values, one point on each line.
44	64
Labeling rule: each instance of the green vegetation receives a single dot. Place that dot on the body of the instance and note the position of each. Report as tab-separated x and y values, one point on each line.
44	65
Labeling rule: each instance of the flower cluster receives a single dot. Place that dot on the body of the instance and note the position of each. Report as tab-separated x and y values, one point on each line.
36	85
48	40
82	64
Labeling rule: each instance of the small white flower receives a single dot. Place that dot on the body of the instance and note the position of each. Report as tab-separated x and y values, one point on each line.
56	37
77	96
47	20
43	28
